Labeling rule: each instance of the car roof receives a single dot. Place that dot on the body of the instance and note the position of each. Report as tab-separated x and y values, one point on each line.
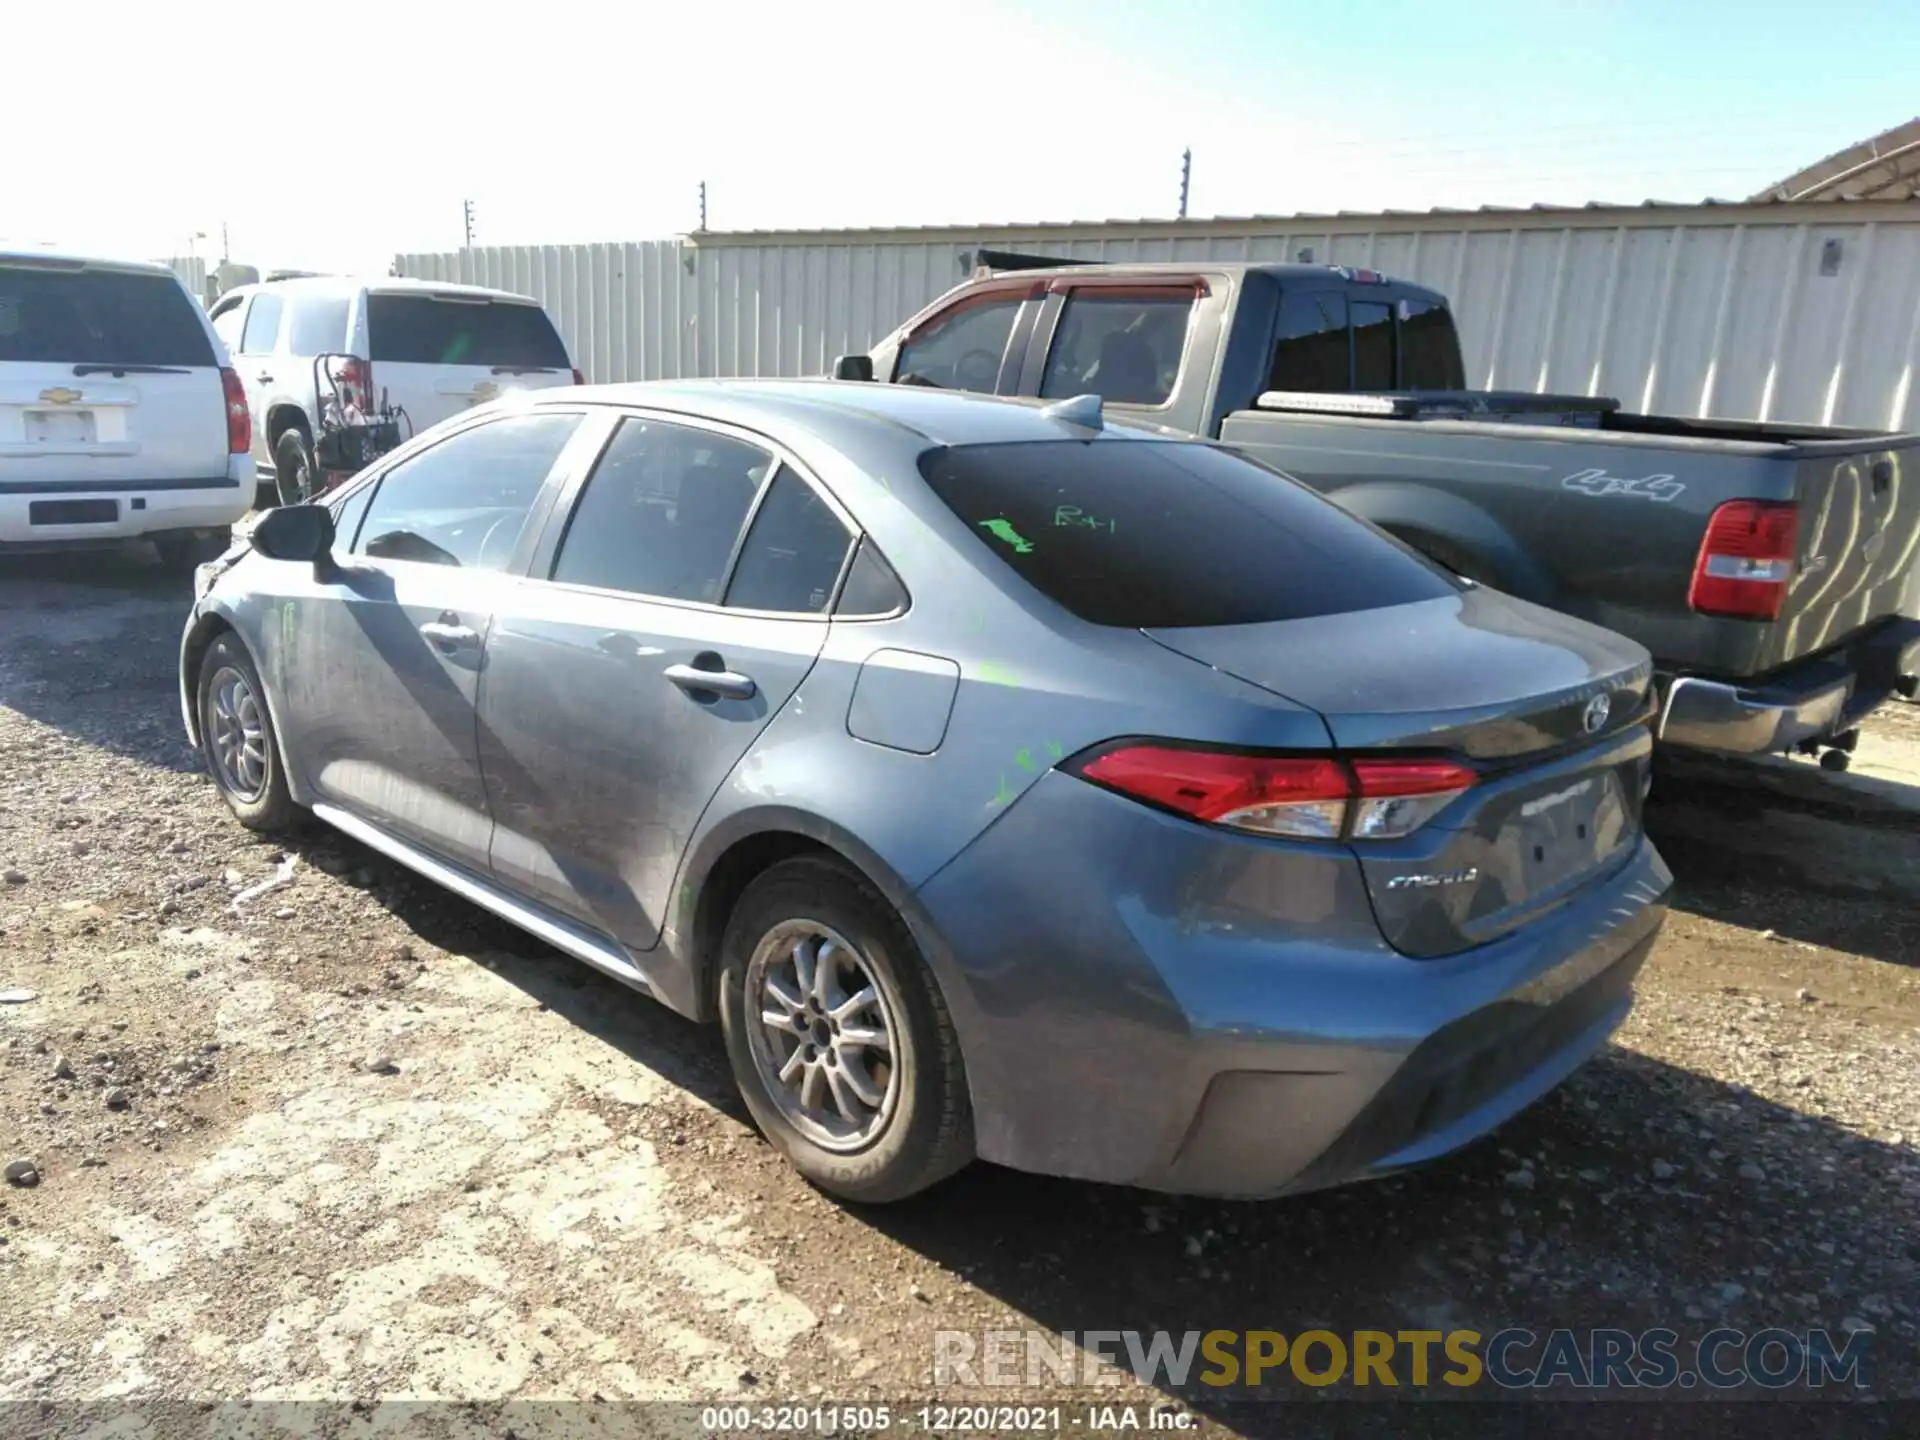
65	259
830	408
376	285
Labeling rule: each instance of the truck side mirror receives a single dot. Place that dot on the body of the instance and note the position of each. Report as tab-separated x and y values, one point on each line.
853	367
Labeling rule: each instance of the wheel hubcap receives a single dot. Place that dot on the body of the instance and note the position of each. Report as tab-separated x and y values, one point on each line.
821	1027
238	735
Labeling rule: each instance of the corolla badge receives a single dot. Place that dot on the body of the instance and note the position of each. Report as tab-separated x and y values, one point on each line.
1594	718
1435	878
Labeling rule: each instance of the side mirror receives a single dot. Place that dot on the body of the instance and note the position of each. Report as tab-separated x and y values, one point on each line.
853	367
294	532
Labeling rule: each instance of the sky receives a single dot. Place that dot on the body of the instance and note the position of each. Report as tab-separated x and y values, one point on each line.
336	143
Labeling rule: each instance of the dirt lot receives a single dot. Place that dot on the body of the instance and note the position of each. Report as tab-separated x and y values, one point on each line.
356	1139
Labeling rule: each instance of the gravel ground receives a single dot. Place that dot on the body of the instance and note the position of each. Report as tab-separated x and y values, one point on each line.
352	1138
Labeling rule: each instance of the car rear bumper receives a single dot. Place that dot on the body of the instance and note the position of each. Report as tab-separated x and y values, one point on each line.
1148	1002
48	515
1812	701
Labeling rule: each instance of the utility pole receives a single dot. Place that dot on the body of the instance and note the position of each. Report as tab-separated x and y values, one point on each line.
226	253
467	207
1186	173
703	205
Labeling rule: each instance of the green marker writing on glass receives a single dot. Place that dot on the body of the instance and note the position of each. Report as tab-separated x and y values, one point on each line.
1002	529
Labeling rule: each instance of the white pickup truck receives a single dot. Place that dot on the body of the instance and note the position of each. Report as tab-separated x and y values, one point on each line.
119	416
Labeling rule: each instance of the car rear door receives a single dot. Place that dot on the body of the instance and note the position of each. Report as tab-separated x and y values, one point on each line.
109	381
380	659
436	353
629	674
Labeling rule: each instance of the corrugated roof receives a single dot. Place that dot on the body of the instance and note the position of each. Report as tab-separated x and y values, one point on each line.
1883	167
1891	193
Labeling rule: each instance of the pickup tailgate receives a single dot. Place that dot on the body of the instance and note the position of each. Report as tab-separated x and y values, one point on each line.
1858	558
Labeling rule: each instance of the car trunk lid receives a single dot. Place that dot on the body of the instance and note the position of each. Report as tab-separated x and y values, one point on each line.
1548	712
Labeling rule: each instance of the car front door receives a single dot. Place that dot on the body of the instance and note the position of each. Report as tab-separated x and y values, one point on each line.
648	648
382	654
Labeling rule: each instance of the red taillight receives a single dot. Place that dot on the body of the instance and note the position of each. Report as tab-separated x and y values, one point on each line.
239	418
1746	560
355	377
578	378
1307	797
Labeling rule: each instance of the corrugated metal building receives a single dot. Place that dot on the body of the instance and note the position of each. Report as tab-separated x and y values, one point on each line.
1770	310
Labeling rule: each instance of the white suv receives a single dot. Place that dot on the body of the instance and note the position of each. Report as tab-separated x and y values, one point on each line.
427	350
119	416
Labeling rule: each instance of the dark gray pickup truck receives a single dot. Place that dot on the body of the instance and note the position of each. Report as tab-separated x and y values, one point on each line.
1770	569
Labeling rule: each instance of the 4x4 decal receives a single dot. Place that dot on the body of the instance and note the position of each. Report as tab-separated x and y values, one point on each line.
1660	488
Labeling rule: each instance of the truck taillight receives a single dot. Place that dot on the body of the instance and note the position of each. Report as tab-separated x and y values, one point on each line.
1301	797
239	418
1746	560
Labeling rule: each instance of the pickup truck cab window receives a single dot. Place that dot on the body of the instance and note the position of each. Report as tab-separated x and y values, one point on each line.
1429	348
961	348
1121	343
1373	347
1311	351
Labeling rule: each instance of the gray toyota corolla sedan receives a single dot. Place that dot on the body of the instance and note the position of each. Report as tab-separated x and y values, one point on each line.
1005	785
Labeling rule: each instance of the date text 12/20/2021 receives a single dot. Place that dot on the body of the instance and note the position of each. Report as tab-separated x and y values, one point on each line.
942	1419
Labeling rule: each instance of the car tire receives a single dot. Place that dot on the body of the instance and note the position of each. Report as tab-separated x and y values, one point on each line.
237	736
922	1129
295	479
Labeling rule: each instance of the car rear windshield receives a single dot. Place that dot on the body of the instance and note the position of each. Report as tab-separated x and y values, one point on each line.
420	330
98	317
1146	534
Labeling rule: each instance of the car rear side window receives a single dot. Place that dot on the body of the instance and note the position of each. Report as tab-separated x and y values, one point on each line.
78	316
425	330
318	326
1311	352
661	511
793	552
463	501
1372	344
1123	345
1149	534
263	326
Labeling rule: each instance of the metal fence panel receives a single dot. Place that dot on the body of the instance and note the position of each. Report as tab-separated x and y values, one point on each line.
1780	312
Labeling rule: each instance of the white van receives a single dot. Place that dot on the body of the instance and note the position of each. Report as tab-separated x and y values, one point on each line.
427	350
119	416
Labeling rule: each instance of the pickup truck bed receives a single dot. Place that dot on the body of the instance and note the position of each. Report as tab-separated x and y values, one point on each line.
1771	570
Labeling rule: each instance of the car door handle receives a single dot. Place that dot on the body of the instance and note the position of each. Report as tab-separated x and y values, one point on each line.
718	682
448	638
263	376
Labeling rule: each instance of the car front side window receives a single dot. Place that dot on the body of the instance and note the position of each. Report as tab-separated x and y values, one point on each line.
961	348
464	501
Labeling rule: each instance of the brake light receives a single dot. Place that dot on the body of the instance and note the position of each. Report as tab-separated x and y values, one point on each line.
239	418
1746	560
578	378
1304	797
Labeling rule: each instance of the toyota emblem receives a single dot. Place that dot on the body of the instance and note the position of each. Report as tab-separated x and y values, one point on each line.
1595	715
